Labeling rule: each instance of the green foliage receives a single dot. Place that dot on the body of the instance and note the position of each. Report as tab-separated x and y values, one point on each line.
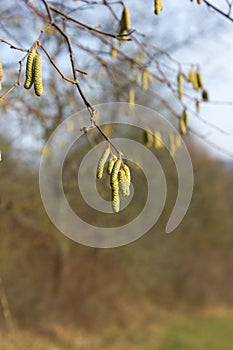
198	333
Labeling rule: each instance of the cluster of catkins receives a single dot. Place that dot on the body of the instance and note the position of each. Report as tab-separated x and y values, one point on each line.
120	178
155	140
34	72
195	78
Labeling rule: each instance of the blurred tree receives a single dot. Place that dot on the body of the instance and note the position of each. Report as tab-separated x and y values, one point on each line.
70	42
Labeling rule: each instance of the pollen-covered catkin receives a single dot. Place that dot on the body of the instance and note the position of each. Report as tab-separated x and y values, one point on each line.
193	80
126	15
199	79
115	200
29	69
115	186
128	179
172	144
101	164
123	183
144	81
131	96
37	73
199	2
182	127
185	117
158	140
180	85
148	138
113	53
158	6
127	172
114	174
111	163
125	20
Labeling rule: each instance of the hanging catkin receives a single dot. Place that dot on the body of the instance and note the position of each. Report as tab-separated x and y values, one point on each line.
125	20
148	138
180	85
37	74
193	80
101	164
131	96
114	174
29	69
115	186
182	127
116	200
158	140
185	117
199	79
123	183
158	6
128	179
111	163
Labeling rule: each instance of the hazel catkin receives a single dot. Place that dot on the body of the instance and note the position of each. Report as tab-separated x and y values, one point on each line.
180	85
111	163
101	164
37	74
158	6
29	69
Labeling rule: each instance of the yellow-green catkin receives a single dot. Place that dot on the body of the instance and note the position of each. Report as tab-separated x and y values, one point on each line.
180	85
29	69
193	80
148	138
123	183
182	127
37	73
146	79
113	53
101	164
158	6
158	143
114	174
116	200
115	186
131	96
205	95
126	15
199	79
125	20
111	163
128	179
185	117
172	144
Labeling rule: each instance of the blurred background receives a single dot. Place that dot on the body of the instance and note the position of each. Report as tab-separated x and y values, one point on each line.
162	292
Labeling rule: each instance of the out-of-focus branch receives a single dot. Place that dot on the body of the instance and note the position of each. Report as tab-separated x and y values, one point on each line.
218	10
